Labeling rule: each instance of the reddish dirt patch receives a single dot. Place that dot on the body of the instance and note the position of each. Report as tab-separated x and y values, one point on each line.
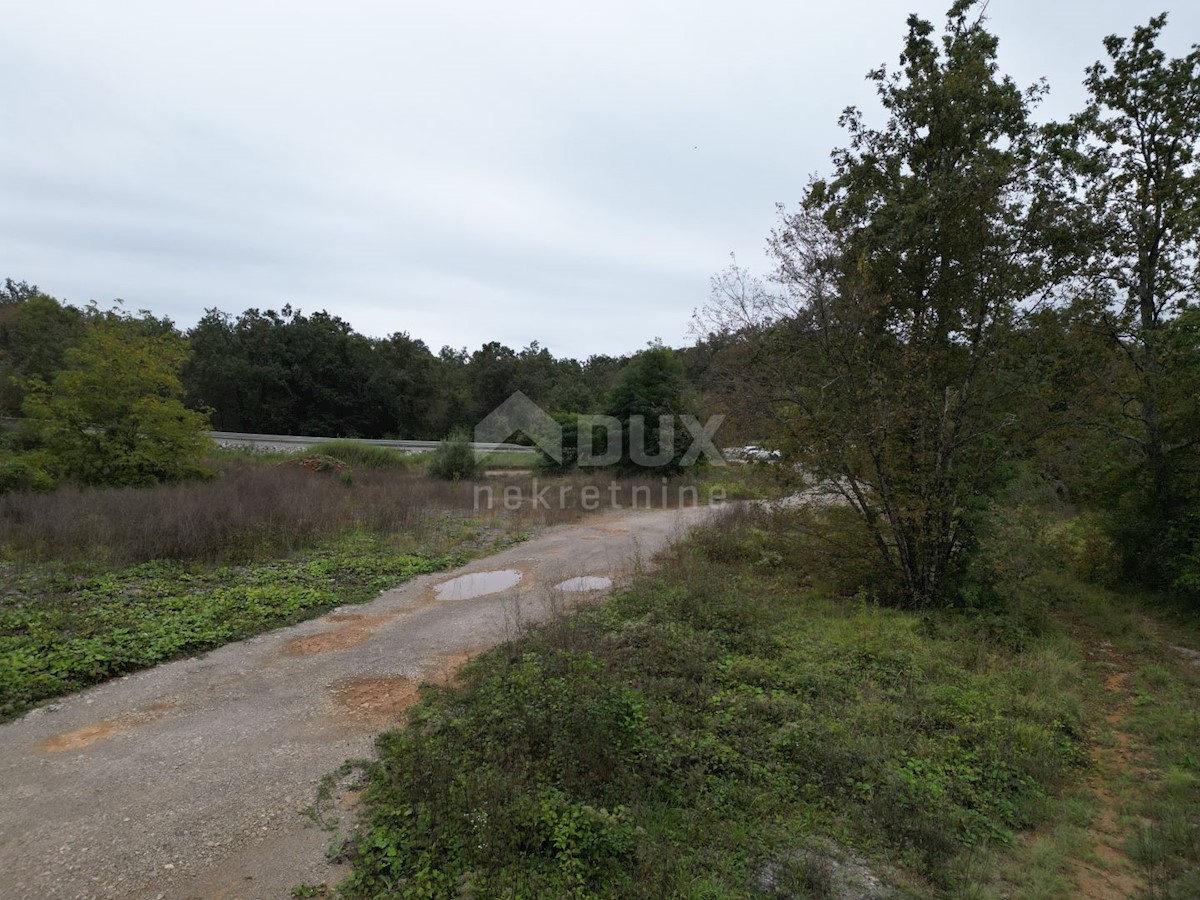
350	799
355	629
82	738
379	701
382	701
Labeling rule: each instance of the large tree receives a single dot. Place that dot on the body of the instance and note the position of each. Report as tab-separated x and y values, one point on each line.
881	355
114	414
35	332
648	399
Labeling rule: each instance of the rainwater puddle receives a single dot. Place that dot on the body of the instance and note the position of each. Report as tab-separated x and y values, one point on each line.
477	584
584	583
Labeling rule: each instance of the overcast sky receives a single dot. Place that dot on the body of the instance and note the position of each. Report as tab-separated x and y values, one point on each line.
563	172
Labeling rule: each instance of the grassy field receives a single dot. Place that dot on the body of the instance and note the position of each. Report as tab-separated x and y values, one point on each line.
732	726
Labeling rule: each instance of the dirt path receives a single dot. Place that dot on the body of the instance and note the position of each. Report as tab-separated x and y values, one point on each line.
190	780
1108	873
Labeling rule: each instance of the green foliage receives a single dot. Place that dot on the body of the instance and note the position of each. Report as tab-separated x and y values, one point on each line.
286	372
570	422
1166	842
454	459
61	631
35	333
882	362
114	416
25	472
1128	169
556	713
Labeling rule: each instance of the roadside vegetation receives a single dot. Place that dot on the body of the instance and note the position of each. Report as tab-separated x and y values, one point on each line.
63	628
744	722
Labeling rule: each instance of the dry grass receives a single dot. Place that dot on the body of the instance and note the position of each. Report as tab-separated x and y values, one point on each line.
253	511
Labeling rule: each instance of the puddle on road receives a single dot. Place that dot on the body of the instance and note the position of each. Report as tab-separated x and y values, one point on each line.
584	583
477	584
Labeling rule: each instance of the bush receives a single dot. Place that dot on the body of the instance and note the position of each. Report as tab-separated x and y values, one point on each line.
1084	545
115	415
24	473
454	459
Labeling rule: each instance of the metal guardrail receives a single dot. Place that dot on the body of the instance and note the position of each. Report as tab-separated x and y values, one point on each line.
301	442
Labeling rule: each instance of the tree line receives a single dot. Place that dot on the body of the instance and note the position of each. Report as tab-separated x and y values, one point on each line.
287	372
84	382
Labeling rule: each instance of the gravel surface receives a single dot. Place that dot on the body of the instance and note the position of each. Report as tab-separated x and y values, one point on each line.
190	780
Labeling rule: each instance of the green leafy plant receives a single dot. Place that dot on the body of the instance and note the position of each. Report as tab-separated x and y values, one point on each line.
454	459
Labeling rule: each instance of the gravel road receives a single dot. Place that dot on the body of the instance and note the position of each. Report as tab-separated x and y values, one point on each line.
190	780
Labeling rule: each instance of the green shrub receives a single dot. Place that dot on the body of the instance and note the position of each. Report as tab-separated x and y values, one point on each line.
25	472
115	415
569	446
1084	546
454	459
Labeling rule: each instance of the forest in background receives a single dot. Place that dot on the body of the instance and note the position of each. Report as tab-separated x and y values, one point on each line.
288	372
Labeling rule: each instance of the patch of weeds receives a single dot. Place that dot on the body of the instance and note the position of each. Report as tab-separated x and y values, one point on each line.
360	455
1165	720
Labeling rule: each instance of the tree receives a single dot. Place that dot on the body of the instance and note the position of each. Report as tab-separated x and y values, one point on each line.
493	372
646	400
1131	156
114	415
881	357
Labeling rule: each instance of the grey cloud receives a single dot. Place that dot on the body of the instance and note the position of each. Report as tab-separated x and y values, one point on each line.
463	171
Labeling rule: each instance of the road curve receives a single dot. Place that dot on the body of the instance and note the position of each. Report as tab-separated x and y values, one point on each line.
189	780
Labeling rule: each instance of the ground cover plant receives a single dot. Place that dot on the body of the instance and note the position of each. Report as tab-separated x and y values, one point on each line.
63	628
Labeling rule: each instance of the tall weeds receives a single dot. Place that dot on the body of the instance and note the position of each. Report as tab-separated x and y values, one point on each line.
254	511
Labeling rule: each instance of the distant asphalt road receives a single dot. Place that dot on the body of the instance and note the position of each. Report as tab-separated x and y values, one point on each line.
301	442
